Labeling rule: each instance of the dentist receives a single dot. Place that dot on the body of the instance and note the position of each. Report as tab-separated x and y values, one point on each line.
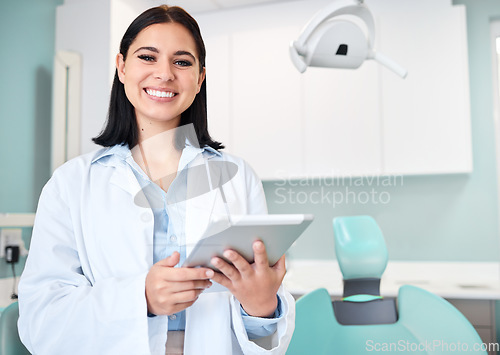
113	226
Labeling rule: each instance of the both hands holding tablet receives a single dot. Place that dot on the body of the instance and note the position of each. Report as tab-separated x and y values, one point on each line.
170	290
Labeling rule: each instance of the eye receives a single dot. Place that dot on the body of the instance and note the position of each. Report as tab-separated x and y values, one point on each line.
183	63
146	57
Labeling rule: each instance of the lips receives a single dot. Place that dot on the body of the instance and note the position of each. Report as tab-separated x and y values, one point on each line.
160	93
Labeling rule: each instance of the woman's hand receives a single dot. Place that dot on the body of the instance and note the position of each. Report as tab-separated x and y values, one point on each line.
254	285
170	290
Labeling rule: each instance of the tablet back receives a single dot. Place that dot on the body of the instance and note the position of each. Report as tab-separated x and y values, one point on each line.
278	232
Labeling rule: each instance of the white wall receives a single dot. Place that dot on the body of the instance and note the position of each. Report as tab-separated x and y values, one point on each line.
84	27
335	122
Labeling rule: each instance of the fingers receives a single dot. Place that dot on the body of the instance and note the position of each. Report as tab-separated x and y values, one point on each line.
170	261
182	300
179	298
165	296
260	254
222	280
280	267
181	286
239	262
241	268
179	307
166	268
187	274
227	269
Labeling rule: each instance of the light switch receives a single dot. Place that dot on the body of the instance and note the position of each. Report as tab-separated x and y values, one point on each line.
11	236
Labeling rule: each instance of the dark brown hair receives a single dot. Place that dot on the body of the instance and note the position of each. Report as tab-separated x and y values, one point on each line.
121	126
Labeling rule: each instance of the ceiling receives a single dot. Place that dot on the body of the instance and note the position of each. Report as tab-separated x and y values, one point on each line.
197	6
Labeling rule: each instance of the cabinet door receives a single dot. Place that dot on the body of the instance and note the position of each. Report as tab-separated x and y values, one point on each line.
426	117
219	88
266	102
342	121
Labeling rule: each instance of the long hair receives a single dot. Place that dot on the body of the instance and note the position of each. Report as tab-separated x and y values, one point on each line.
121	125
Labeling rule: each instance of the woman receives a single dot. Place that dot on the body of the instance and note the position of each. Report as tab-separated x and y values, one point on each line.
113	226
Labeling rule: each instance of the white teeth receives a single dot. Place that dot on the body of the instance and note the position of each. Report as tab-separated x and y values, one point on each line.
157	93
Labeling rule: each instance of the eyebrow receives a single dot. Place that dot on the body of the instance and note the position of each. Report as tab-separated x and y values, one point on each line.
152	49
155	50
186	53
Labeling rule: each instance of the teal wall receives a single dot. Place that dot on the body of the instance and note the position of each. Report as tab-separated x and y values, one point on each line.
26	60
442	218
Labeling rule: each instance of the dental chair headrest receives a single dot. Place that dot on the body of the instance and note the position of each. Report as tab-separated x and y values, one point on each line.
360	247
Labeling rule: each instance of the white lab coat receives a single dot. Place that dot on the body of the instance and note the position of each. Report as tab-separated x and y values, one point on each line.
83	287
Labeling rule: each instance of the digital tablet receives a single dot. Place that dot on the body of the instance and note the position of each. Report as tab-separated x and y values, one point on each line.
277	231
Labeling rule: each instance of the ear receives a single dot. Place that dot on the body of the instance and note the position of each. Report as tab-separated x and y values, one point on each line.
120	67
200	79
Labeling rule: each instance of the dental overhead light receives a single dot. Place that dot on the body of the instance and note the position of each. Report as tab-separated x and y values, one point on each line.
331	42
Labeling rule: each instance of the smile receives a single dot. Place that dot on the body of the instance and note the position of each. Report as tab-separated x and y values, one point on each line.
157	93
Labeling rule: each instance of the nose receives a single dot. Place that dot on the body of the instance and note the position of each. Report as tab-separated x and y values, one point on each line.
164	72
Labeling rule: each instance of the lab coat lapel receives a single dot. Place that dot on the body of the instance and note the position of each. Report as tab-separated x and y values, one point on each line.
200	209
124	178
210	313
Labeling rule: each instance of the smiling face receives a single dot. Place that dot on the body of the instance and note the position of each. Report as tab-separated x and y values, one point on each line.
161	75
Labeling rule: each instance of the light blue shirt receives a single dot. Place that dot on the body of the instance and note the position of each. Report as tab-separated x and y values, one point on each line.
169	236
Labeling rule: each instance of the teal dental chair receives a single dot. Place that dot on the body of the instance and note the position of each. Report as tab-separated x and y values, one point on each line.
364	322
10	344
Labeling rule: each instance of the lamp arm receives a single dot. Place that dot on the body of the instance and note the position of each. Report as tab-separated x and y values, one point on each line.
389	63
297	59
335	8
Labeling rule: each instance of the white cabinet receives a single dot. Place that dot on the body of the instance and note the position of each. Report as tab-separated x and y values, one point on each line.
426	117
481	314
324	123
342	122
268	126
330	122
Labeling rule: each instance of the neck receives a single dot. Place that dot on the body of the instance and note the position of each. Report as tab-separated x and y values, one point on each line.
148	129
156	152
159	146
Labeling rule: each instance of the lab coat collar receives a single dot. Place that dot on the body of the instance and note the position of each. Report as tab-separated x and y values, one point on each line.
104	155
190	153
122	151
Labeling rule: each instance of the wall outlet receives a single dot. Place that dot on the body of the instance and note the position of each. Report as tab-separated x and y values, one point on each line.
12	236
